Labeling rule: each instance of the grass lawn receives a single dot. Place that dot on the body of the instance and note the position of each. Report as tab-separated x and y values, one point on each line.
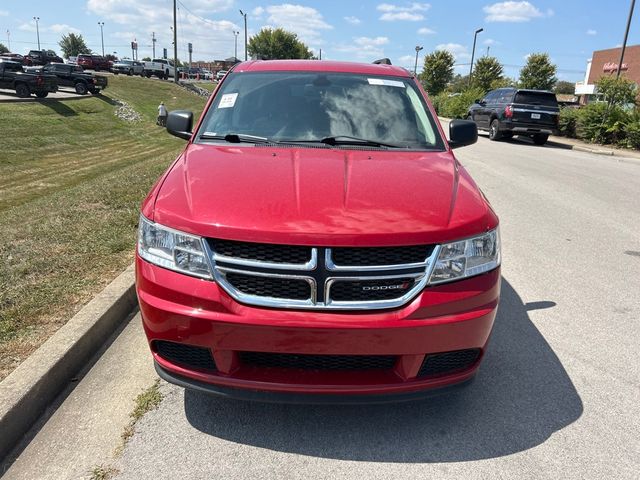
207	85
72	176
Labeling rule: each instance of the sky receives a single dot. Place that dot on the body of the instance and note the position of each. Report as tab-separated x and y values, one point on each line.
569	30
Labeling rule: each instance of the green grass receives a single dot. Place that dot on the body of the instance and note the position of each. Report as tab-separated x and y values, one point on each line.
72	176
145	402
207	85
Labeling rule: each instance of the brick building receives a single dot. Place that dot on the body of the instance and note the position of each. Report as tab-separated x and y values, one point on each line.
605	62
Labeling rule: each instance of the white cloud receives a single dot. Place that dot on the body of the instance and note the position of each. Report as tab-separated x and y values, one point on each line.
55	28
491	41
307	22
591	32
4	13
413	12
353	20
459	52
425	31
365	47
257	12
513	12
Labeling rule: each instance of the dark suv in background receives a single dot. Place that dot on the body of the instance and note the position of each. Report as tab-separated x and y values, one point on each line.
506	112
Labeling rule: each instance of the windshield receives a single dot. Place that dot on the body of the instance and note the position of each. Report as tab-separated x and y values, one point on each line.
126	62
310	106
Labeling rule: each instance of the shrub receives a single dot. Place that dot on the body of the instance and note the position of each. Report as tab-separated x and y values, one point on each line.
567	122
456	106
595	124
633	134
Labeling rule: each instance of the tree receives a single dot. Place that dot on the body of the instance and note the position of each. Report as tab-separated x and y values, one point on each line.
486	73
3	49
565	87
617	91
459	84
146	59
277	44
73	45
437	71
539	73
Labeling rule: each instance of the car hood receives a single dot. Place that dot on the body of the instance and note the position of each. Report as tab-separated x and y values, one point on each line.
320	196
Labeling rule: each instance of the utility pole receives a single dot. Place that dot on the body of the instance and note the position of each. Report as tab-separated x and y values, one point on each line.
415	67
153	42
8	39
37	19
175	42
245	34
488	47
235	51
473	52
102	36
626	35
320	58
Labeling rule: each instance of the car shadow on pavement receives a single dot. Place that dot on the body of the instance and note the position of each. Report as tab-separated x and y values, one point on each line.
521	396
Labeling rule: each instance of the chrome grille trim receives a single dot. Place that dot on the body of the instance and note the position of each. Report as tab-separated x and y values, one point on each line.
310	265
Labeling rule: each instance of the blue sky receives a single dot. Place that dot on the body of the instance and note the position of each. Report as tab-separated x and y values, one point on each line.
568	30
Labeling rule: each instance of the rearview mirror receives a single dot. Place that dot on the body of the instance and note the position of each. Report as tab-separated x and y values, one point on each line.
462	133
180	123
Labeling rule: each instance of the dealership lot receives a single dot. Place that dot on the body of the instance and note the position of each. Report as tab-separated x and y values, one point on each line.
557	397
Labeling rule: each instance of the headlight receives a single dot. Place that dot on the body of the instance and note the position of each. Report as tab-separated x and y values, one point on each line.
172	249
467	258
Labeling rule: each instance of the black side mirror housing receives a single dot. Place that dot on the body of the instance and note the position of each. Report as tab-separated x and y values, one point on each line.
462	133
180	124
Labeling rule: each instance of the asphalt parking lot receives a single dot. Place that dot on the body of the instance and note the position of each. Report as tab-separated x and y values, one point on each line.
558	395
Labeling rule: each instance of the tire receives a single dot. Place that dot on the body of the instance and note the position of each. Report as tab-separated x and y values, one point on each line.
540	138
130	72
494	131
507	135
41	94
116	72
166	74
22	90
81	88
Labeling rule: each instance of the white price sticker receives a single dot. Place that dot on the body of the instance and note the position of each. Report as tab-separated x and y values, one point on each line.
228	100
385	82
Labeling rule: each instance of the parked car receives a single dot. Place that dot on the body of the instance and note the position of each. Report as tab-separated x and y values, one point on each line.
72	60
220	74
207	75
160	67
195	72
515	111
73	76
14	57
130	67
93	62
41	57
334	251
12	76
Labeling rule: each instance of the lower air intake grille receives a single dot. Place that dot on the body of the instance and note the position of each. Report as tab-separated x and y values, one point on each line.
442	363
186	355
270	286
319	362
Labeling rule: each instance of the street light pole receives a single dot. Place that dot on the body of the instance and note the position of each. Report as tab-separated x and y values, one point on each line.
626	35
37	19
245	34
415	67
8	39
175	42
153	42
235	54
473	52
102	36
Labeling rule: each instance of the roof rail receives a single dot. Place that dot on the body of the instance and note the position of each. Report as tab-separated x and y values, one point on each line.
383	61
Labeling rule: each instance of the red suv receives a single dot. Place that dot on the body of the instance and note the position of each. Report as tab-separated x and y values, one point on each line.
317	241
93	62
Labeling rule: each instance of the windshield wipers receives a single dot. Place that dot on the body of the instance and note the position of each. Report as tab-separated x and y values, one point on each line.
236	138
347	140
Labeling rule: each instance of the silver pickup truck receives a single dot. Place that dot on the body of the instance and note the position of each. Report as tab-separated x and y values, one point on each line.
160	67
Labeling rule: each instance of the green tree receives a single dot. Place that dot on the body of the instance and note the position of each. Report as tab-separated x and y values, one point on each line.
487	72
617	91
437	71
277	44
146	59
565	87
539	73
3	49
73	45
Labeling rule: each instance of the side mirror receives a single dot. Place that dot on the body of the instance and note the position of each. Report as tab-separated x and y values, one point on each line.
462	133
180	123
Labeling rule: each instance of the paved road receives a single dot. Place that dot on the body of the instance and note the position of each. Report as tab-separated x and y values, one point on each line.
558	395
62	94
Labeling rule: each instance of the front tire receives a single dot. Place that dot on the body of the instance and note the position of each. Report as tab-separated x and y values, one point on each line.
130	72
41	94
23	91
81	88
494	131
540	138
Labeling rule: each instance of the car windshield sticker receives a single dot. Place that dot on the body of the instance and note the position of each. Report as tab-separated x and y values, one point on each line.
228	100
385	82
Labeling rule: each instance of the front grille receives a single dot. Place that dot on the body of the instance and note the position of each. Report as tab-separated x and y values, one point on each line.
275	287
185	355
370	290
371	256
449	362
262	252
318	362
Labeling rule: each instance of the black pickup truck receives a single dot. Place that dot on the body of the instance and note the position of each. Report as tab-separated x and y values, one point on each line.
73	76
13	77
41	57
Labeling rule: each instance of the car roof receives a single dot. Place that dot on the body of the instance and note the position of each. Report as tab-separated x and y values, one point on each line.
320	66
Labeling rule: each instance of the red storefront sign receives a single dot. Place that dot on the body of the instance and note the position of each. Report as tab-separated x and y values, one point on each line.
613	67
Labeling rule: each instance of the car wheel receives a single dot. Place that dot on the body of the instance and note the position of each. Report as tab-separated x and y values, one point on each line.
130	72
166	74
494	130
81	88
41	94
22	90
115	72
540	138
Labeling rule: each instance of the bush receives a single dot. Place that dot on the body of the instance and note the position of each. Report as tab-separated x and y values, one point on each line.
567	122
594	124
633	134
456	106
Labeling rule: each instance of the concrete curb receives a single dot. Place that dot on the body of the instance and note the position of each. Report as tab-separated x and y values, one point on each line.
30	388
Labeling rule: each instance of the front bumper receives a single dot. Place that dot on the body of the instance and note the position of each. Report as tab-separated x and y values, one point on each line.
186	310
